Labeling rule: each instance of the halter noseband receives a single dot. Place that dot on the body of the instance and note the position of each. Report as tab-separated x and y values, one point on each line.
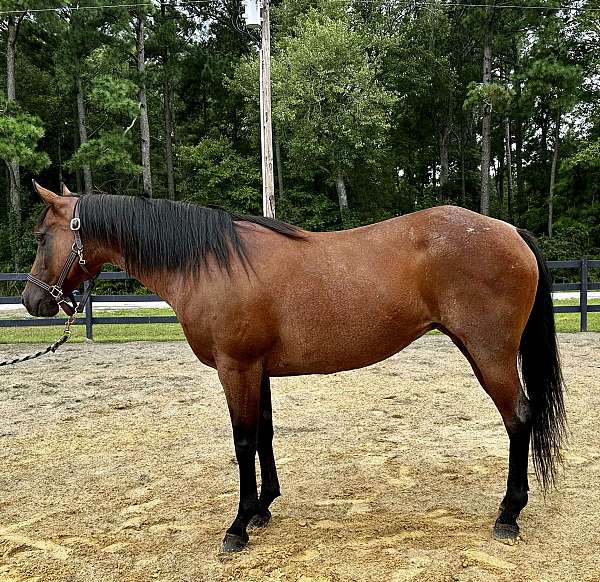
76	254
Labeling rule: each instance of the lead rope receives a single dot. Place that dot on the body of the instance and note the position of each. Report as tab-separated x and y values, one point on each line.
52	348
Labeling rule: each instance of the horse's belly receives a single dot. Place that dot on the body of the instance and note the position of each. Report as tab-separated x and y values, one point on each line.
336	348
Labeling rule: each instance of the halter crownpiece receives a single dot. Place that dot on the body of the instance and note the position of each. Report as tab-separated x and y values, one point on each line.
76	254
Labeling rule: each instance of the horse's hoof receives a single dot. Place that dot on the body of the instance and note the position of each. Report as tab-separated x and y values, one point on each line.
260	520
234	543
506	531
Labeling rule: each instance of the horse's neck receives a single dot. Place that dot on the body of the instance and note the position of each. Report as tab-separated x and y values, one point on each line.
163	284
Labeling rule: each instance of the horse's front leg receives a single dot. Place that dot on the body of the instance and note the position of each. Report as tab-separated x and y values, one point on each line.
241	383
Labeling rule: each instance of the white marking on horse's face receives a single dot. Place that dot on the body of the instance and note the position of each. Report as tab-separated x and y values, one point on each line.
470	230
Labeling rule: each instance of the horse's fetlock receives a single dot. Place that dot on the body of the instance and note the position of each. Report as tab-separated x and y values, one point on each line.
515	499
267	496
248	508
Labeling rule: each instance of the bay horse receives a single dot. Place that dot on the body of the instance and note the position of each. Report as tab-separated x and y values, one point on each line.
258	298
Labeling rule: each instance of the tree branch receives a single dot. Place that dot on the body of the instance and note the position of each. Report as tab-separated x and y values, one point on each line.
130	125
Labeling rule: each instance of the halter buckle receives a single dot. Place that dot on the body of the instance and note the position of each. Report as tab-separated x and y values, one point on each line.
57	293
75	224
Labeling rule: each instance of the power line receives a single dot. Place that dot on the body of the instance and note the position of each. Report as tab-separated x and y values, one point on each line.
507	6
417	3
433	4
182	3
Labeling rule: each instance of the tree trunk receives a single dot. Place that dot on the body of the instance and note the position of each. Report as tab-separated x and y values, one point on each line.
279	167
83	138
11	97
486	127
520	198
60	161
520	205
509	171
341	192
500	182
544	128
553	173
169	123
444	163
169	132
463	176
144	125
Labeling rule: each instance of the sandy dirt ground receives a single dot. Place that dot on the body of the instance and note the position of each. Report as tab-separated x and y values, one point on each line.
117	464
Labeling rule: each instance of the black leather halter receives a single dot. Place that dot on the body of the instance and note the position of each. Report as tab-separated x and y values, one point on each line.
76	254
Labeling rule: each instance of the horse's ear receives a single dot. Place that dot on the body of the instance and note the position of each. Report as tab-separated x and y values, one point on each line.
46	195
64	190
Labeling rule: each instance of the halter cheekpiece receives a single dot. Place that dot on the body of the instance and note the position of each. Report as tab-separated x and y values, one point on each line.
76	254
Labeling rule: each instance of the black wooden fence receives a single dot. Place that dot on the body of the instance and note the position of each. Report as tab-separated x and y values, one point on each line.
583	286
90	319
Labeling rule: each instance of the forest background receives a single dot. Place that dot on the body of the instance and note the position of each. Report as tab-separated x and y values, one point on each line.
380	108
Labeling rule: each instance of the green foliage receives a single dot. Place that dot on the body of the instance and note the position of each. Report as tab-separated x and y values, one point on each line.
496	95
110	151
19	136
329	106
567	242
558	83
587	157
212	172
114	96
308	209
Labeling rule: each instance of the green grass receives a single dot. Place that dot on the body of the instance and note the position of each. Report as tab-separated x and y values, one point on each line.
569	322
160	332
155	332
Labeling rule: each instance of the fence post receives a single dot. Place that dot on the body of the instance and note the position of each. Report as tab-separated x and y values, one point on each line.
89	330
583	295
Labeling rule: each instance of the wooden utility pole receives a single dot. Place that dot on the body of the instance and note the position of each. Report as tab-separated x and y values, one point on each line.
265	115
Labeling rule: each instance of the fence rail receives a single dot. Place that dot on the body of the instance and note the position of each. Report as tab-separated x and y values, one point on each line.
584	285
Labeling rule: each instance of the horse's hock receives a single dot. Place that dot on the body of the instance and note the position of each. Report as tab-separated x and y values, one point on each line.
118	465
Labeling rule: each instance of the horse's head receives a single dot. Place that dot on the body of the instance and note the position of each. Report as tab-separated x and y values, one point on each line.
55	239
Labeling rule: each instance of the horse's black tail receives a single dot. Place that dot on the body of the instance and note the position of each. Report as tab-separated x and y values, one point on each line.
542	376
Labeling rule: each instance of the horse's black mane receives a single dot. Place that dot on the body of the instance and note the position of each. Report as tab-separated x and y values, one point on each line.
156	234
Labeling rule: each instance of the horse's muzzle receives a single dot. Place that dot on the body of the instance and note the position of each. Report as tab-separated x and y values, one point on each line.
38	302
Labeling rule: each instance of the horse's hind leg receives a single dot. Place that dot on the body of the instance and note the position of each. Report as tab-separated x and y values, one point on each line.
497	372
269	489
518	426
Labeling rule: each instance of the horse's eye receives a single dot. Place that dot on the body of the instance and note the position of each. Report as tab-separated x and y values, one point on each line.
39	236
